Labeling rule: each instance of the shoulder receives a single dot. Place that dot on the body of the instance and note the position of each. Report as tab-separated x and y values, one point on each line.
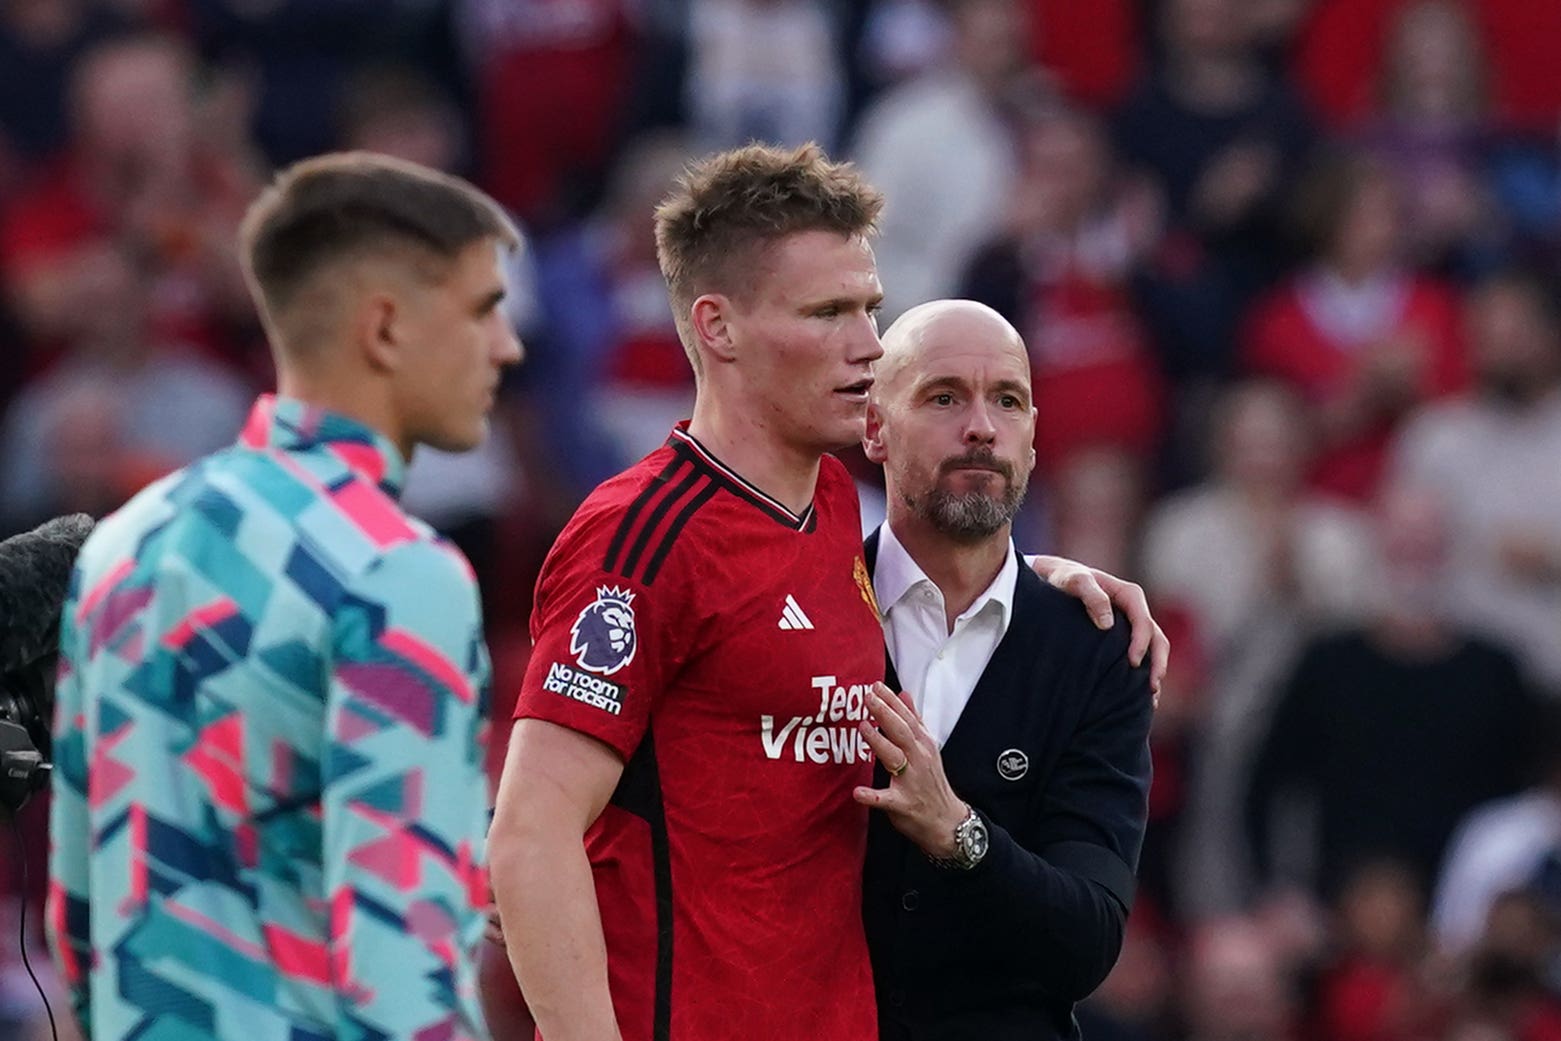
1062	627
429	565
118	538
629	525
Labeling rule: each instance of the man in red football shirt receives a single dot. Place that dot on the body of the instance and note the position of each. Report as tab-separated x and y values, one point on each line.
676	853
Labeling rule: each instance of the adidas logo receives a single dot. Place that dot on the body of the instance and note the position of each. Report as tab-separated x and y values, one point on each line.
792	616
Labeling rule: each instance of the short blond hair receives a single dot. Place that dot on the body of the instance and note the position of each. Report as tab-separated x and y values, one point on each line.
730	205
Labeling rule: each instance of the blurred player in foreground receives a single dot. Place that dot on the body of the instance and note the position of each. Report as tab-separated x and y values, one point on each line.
269	807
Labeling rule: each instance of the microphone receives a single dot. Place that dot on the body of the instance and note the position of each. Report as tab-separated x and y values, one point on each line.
35	570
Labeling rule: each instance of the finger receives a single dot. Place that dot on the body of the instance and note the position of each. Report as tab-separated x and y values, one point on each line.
886	799
899	704
888	753
1159	659
1087	586
891	722
907	706
1135	607
1088	589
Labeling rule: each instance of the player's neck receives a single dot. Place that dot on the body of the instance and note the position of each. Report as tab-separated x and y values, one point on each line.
961	570
782	471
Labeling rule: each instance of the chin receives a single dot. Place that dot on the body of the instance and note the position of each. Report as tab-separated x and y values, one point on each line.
458	440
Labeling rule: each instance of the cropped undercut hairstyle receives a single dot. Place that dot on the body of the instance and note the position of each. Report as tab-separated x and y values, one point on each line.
730	206
349	205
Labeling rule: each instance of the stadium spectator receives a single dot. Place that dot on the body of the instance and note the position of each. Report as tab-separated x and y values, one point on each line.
1061	273
120	408
1491	456
1259	563
1501	846
1253	542
140	169
551	80
944	150
1357	333
763	70
40	42
1390	732
1223	139
1432	129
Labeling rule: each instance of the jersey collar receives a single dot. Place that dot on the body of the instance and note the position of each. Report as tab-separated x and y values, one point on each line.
686	443
291	425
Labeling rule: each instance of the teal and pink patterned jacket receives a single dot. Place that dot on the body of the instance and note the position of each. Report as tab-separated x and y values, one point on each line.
269	804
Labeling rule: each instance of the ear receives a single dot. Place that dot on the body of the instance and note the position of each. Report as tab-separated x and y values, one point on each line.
375	330
873	441
711	319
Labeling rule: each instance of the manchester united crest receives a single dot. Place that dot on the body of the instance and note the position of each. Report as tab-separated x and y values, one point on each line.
864	585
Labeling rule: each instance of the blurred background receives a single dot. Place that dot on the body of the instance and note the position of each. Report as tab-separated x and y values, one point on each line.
1287	270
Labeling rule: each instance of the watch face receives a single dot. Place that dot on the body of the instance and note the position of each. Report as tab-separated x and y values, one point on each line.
976	840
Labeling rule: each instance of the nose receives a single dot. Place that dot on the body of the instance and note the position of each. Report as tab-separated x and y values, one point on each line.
865	347
979	428
508	349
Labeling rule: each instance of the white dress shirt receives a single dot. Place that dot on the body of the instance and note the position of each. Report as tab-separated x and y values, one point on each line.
939	669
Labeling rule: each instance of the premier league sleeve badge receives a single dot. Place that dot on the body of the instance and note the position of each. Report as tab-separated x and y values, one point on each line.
603	638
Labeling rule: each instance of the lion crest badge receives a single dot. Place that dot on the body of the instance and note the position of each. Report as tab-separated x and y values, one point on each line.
603	639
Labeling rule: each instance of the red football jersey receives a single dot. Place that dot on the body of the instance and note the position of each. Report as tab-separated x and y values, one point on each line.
724	647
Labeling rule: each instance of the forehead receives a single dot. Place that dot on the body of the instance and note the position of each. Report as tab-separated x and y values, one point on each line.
970	348
479	266
818	265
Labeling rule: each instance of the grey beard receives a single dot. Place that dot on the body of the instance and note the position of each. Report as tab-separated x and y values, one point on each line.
972	516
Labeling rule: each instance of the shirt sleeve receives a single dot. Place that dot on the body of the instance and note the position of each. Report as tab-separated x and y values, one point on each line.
602	654
70	839
404	801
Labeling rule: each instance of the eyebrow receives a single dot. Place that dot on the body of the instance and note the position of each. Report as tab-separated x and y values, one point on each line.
1013	387
848	303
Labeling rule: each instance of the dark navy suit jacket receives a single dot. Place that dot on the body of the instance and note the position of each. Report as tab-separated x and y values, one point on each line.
1053	751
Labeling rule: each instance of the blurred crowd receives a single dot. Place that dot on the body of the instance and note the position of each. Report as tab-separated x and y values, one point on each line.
1287	270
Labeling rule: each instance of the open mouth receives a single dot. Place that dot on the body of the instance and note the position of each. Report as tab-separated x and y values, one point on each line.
856	391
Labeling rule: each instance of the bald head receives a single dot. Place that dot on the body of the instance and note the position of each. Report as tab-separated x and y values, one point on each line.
951	420
962	326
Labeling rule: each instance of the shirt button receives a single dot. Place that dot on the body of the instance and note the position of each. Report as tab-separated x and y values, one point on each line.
911	900
897	997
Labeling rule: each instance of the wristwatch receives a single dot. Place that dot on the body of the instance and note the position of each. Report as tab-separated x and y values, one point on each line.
970	844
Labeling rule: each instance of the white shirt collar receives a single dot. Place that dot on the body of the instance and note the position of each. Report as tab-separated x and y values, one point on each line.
896	576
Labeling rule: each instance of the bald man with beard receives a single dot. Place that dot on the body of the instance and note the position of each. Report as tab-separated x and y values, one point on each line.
1013	773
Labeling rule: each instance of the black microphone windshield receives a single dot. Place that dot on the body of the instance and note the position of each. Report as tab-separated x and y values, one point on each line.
35	570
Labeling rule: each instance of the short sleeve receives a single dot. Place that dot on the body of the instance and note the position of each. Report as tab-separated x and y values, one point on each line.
605	637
